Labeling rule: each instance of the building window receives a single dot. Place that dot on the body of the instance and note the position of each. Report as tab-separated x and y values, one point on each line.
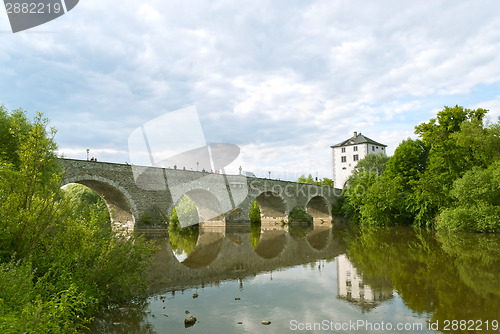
377	147
355	157
343	149
373	148
355	148
343	158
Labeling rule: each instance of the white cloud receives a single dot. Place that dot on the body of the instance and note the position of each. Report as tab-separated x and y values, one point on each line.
493	106
283	81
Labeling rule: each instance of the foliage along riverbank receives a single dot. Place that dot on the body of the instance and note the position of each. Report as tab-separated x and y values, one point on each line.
448	179
60	262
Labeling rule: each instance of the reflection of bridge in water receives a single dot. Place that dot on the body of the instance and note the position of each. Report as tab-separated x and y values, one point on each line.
222	254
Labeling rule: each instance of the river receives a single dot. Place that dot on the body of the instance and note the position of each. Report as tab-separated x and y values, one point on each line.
312	279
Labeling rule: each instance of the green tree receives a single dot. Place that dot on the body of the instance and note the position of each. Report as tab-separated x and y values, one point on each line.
477	202
387	201
307	180
183	232
327	182
73	264
254	213
366	173
29	206
418	181
184	213
374	164
447	159
310	180
12	124
78	193
84	200
408	163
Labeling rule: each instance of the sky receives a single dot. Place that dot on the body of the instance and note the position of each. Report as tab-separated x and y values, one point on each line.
282	80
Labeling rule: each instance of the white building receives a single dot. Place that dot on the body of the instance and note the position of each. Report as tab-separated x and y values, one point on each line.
347	154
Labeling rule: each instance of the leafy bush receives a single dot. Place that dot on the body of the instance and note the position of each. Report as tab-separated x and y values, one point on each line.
477	205
299	215
255	213
184	213
22	310
60	262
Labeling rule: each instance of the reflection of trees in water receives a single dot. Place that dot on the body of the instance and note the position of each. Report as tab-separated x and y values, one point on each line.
183	239
452	276
477	259
255	234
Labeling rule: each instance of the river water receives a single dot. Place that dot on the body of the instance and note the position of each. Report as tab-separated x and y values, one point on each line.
313	279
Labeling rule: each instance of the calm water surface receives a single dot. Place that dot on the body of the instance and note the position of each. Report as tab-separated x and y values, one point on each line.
310	279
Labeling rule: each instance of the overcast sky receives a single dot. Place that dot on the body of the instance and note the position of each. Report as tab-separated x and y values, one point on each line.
283	80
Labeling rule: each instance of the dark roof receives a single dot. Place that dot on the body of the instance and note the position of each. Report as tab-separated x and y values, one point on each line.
358	139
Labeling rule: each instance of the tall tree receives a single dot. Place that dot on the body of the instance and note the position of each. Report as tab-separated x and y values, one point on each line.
387	200
366	173
67	265
455	141
12	124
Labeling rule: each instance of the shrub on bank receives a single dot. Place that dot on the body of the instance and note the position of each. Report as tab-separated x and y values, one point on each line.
477	202
60	262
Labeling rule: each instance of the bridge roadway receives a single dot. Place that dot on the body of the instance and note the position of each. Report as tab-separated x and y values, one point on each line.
143	197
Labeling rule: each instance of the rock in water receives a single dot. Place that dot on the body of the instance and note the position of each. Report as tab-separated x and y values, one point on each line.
266	322
189	321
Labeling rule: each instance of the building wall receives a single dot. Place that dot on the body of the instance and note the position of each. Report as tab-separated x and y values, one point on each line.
343	170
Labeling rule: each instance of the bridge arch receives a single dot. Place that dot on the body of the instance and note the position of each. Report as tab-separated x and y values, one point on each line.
272	206
319	208
121	206
207	205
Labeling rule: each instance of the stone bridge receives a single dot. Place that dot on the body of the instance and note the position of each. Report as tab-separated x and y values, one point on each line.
143	197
